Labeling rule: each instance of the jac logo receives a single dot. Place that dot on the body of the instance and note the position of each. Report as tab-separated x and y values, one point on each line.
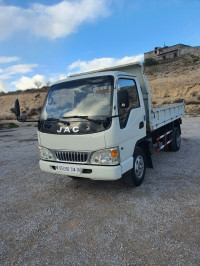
68	130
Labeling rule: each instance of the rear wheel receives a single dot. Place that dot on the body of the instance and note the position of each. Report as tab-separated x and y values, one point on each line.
176	136
135	177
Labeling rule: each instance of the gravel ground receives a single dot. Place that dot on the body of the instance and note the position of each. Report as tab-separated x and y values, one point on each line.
54	220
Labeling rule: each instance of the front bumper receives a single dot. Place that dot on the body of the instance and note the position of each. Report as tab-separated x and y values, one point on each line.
94	172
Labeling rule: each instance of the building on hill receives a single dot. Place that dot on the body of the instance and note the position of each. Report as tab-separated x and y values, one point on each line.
170	52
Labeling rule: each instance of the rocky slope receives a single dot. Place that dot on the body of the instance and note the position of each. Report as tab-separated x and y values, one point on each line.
174	81
170	82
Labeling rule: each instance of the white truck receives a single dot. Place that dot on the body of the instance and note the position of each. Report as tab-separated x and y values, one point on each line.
100	125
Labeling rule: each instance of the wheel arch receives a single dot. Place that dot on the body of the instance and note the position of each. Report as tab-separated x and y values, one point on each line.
147	146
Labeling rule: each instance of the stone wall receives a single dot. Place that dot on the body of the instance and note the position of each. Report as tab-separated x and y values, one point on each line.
171	52
189	50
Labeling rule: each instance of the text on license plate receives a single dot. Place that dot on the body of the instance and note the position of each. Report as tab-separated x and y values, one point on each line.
68	169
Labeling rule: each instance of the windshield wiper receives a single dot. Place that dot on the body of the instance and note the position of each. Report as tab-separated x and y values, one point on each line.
97	121
84	117
114	116
51	119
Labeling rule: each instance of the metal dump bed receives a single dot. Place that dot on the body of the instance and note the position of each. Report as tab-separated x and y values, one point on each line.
164	115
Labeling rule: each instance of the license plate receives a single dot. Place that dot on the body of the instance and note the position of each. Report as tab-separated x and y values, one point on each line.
68	169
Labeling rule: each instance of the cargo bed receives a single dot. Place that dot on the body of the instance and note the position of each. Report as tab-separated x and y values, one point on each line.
164	115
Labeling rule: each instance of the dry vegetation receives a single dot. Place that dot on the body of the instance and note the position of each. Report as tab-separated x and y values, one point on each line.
170	82
174	81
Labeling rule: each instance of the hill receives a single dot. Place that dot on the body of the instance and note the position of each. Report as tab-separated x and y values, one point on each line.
170	82
173	81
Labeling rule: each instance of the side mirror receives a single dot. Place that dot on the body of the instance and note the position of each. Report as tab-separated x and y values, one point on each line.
23	117
17	108
123	99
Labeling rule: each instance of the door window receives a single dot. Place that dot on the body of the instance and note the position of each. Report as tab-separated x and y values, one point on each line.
130	86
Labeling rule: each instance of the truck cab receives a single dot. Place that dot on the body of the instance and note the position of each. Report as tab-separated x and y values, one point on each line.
89	125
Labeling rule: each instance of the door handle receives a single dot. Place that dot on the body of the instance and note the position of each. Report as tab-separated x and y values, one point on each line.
141	124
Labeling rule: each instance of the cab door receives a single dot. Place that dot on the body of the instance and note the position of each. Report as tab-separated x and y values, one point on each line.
132	120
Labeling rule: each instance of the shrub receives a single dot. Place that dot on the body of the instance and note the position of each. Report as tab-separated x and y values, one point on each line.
178	100
195	59
166	102
194	94
150	62
33	112
8	125
191	102
8	118
12	125
37	95
12	110
39	109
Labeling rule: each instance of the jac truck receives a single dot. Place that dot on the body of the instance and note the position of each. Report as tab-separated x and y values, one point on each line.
100	125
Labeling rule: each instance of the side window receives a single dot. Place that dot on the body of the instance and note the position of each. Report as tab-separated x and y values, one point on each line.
130	86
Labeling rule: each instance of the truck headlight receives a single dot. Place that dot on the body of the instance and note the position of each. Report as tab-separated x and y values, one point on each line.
45	154
106	157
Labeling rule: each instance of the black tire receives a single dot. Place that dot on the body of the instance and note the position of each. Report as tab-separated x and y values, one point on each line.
135	177
176	136
75	177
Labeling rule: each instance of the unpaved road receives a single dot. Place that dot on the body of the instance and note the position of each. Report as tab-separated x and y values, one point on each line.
52	220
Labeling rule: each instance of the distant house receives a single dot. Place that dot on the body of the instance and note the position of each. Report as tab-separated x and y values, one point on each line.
170	52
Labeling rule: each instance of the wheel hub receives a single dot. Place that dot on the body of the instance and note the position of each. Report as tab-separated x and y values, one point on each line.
139	166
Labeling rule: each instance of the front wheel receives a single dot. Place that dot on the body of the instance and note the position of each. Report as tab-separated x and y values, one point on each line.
136	176
75	177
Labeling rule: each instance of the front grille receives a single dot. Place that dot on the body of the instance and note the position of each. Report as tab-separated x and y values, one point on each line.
71	156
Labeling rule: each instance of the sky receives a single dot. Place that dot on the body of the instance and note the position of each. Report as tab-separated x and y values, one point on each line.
47	40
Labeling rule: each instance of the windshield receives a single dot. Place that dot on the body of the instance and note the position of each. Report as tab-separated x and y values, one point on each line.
91	97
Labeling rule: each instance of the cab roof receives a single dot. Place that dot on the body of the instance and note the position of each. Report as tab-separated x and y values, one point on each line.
95	74
120	70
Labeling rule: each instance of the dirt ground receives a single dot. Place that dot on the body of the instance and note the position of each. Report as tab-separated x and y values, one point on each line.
53	220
